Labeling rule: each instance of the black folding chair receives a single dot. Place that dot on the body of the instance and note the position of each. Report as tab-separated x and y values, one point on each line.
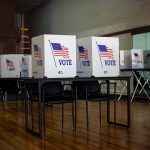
91	91
53	93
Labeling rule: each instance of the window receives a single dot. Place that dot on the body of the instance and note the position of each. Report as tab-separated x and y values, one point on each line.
142	41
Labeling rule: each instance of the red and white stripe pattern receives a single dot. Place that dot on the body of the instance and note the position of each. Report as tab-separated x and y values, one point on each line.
9	63
37	51
108	54
64	52
84	54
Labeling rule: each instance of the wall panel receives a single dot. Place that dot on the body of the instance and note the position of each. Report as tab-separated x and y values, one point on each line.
7	26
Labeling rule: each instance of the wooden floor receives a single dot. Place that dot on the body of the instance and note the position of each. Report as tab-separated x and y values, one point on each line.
13	135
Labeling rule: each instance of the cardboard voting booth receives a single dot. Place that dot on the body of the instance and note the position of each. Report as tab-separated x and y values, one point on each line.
125	59
54	56
15	66
140	59
97	56
26	66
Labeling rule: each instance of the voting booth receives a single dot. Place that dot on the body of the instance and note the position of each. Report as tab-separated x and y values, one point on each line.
54	56
15	65
140	58
26	69
97	56
125	59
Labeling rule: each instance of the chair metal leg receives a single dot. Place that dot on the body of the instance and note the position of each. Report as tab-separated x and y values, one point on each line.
3	104
22	102
73	114
43	101
100	112
76	107
32	118
62	115
87	115
115	103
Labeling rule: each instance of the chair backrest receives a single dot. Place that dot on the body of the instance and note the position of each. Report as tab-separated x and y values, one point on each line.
53	89
10	86
91	86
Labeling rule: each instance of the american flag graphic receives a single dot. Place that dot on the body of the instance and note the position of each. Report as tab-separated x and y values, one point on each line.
24	61
137	56
105	51
9	63
37	51
60	50
83	52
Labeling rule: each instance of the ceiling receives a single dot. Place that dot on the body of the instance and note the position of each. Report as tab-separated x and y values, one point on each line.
27	5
